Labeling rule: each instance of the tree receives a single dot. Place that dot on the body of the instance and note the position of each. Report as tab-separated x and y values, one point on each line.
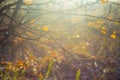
84	29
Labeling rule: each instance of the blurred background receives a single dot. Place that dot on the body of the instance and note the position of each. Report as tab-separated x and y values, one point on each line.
59	39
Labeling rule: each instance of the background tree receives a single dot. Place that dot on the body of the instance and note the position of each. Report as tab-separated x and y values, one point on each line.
75	31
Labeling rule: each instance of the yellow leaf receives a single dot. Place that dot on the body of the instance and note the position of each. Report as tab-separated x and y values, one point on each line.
45	28
113	36
116	23
78	75
27	2
100	21
104	28
90	24
104	1
103	31
20	63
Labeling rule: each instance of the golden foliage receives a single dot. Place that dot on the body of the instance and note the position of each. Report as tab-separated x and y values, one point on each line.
104	1
20	63
103	30
90	24
100	21
45	28
28	2
116	23
113	36
78	75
